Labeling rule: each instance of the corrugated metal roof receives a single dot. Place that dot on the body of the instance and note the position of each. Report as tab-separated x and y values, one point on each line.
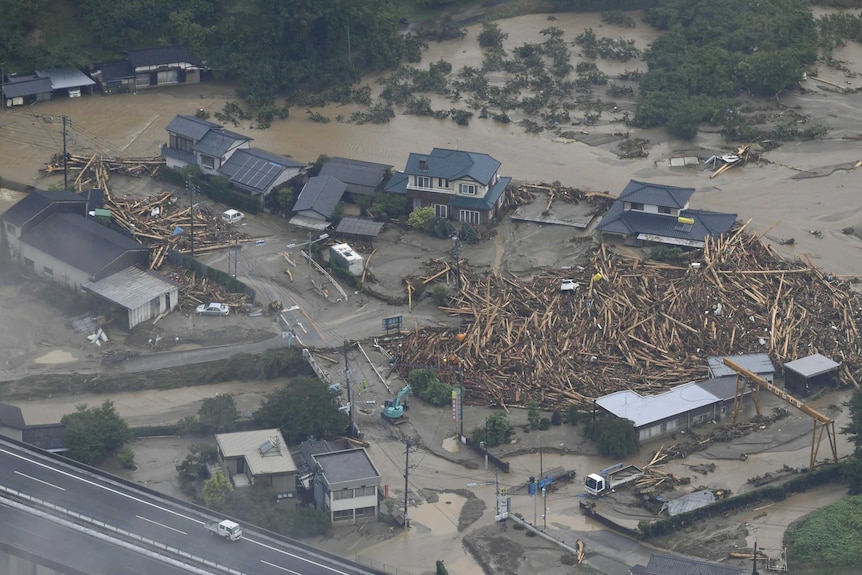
668	565
754	362
359	227
62	78
644	410
161	55
689	502
722	387
349	465
812	365
264	450
131	287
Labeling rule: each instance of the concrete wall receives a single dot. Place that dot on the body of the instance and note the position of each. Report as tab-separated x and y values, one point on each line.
62	273
11	433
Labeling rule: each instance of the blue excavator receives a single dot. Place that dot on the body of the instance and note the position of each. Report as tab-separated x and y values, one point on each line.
393	409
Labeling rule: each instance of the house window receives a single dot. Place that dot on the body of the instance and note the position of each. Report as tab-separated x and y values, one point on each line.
208	161
341	515
29	264
48	271
363	511
467	189
637	206
470	216
423	182
664	210
11	229
442	183
182	144
441	211
364	491
342	494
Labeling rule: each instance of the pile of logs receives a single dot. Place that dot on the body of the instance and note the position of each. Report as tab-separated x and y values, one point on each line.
527	193
638	324
196	289
157	221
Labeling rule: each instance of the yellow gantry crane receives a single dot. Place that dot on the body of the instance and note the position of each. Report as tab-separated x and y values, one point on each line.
821	422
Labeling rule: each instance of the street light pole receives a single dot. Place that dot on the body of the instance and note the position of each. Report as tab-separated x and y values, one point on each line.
461	391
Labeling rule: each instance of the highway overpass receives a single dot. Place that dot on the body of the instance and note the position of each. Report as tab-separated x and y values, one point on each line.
58	516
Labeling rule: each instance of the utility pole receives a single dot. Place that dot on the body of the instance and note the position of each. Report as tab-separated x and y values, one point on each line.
352	428
542	482
191	188
461	396
497	489
754	570
458	265
66	122
309	256
235	255
406	486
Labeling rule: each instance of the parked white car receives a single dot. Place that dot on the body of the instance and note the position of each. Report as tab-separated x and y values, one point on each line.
213	308
232	216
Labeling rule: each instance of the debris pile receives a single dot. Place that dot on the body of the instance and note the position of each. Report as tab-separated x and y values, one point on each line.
156	221
743	155
195	289
637	324
526	194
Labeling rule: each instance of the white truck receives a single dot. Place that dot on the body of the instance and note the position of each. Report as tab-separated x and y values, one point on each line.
227	529
612	477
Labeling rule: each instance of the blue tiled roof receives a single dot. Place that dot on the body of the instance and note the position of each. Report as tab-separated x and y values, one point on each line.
485	203
656	194
397	183
629	222
217	142
360	177
454	165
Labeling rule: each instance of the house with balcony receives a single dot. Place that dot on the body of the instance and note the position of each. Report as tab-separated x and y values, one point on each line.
346	485
196	142
258	457
658	213
459	185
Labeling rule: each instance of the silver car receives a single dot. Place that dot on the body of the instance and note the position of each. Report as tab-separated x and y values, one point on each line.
213	309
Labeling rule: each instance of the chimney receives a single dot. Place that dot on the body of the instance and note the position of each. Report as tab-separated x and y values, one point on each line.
423	164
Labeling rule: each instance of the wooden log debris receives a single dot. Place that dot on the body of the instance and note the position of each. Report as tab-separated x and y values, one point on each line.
644	326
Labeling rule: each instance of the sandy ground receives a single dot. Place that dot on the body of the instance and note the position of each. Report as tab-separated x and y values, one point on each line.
777	203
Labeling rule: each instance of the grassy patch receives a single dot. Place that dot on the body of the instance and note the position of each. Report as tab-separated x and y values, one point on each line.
828	541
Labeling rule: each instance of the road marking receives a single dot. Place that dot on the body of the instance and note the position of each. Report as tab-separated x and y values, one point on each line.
40	481
277	550
161	524
279	567
100	486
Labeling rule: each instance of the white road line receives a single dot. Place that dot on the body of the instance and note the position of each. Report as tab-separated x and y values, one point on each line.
277	550
95	484
160	524
40	481
279	567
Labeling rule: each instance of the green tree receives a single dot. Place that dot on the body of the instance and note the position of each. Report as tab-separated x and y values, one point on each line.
194	466
440	568
533	415
852	467
215	489
615	437
425	385
218	414
491	35
95	432
303	408
494	432
385	206
421	219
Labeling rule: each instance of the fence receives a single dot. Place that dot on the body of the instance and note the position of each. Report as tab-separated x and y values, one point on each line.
498	463
232	284
380	566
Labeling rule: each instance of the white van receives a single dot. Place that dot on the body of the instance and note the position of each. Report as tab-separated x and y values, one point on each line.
232	216
74	92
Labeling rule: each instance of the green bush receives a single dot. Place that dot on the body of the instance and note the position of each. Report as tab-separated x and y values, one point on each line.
572	415
494	432
440	295
491	36
544	423
155	430
421	219
615	437
425	385
533	415
126	457
217	188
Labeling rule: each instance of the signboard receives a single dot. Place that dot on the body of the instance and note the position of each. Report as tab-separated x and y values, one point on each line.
456	405
392	323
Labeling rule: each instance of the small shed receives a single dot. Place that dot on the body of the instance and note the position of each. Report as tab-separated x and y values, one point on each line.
359	229
139	294
757	363
804	376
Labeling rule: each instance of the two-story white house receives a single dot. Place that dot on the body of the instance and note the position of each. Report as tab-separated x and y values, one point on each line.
657	213
461	186
346	485
196	142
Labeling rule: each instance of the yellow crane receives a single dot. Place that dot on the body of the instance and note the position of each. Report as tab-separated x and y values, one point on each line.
821	422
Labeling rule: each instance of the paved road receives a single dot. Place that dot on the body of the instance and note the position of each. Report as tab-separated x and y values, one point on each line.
157	519
58	546
168	359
